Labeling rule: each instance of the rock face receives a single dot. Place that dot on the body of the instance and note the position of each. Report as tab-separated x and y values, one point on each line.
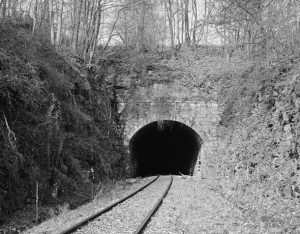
172	102
56	124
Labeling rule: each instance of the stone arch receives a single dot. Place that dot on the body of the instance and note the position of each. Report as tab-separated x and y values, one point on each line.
201	116
132	128
164	147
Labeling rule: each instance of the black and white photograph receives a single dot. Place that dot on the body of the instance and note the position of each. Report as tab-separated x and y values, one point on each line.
150	116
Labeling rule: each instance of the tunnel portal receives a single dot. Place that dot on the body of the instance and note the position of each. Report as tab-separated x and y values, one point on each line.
163	148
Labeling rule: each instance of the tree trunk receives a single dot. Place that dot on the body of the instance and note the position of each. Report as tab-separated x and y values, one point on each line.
195	25
126	37
73	18
96	34
8	8
36	201
4	9
186	23
59	25
182	21
142	28
34	16
178	23
85	27
13	8
170	18
51	20
164	38
44	21
249	42
92	30
89	24
206	18
225	42
111	32
77	26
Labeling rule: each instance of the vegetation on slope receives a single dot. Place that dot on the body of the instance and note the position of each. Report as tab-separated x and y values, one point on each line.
56	123
258	161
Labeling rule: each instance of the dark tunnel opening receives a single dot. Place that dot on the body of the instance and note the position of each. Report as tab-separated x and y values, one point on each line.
163	148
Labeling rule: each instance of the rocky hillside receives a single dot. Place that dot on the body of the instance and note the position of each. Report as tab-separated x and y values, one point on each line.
58	133
256	164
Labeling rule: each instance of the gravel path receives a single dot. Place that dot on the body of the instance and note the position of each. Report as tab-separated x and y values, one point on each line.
126	217
192	207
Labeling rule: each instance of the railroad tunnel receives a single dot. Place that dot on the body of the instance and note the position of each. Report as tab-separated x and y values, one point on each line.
163	148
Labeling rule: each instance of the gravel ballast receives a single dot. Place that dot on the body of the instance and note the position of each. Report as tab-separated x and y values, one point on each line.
69	218
127	216
192	207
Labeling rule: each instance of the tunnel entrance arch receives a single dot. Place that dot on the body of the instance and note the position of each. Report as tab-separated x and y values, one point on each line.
164	147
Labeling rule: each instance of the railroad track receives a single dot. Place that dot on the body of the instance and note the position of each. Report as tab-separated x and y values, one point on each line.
143	192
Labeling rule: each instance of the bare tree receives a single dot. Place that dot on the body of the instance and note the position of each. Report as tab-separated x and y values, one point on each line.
59	24
169	10
96	30
34	16
3	6
141	27
77	24
51	22
178	23
195	22
186	23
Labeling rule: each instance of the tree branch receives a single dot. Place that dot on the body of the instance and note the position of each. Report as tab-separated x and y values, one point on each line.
11	135
261	27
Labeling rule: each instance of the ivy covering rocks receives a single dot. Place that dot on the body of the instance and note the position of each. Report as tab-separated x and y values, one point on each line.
58	134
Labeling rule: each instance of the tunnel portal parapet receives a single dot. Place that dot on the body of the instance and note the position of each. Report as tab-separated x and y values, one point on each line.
201	115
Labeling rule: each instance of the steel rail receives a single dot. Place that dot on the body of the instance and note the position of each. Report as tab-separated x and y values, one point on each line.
143	225
104	210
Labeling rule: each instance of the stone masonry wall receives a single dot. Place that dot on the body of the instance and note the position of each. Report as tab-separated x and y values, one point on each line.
158	104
